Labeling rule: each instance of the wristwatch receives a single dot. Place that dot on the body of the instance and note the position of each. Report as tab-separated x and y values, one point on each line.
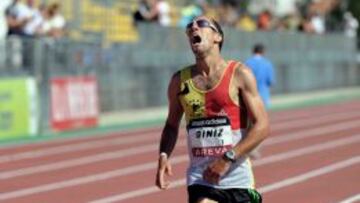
230	156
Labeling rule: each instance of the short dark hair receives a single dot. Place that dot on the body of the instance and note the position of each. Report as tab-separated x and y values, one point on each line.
259	48
220	31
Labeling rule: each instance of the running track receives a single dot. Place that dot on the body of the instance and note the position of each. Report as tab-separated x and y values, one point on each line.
312	156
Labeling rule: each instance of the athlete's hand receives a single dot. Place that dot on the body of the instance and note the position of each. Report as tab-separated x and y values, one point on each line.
164	169
216	170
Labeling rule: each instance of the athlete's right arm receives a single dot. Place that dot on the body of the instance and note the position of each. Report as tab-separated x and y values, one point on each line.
170	132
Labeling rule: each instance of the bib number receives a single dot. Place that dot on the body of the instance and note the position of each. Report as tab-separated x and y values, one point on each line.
210	136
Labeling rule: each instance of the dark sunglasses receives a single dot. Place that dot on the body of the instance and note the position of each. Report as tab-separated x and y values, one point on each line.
201	24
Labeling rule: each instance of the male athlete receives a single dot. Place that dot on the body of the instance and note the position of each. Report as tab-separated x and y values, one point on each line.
218	98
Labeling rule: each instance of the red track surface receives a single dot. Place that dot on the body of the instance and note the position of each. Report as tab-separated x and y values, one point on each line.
312	155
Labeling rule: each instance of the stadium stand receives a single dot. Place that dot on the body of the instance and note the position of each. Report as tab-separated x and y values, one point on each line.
112	23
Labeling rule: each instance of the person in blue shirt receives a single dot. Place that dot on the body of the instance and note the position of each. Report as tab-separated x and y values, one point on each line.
264	72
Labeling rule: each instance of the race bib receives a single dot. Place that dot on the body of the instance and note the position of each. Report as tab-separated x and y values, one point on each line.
210	136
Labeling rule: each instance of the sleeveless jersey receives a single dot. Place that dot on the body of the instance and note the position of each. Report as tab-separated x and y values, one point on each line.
214	125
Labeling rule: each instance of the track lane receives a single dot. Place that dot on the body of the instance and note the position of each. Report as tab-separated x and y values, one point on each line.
298	165
133	179
309	111
326	188
120	160
53	154
318	138
130	159
287	115
157	196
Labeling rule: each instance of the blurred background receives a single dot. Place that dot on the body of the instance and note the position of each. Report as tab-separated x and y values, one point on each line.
68	65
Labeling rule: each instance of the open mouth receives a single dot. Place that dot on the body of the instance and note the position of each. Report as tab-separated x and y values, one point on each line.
196	39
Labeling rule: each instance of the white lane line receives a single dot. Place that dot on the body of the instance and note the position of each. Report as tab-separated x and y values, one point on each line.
76	147
318	131
138	193
352	199
152	147
314	120
307	150
310	112
91	136
311	174
146	137
267	188
82	180
80	161
175	160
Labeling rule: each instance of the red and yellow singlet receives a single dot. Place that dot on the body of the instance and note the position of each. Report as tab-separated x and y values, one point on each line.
215	124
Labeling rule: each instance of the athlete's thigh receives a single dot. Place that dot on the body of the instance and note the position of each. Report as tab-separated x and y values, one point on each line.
206	200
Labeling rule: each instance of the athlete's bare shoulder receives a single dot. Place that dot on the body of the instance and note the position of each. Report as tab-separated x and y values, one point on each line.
176	75
188	67
242	73
176	79
241	70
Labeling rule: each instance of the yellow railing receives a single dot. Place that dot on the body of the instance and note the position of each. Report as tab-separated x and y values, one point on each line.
115	22
116	25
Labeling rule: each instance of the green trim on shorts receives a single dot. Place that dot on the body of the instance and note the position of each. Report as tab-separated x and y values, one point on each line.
255	196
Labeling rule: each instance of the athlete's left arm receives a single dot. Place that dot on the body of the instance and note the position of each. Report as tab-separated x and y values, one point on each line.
246	83
260	121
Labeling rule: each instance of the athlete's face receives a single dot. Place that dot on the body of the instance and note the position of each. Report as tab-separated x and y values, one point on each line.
202	35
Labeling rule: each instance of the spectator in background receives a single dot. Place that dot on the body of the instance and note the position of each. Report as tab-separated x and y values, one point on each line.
141	13
263	71
246	23
287	23
153	11
351	25
33	25
4	4
54	23
228	13
18	15
280	24
163	9
264	21
293	21
306	25
318	23
191	11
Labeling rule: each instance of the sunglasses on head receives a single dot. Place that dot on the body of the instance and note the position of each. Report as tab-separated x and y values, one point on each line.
201	24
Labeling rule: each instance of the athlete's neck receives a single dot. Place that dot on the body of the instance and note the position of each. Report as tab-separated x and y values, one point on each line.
209	64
